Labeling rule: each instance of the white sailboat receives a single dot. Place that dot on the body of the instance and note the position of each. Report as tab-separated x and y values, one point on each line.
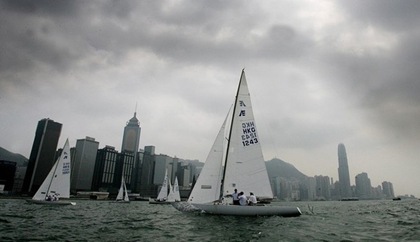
174	195
57	184
236	162
176	191
122	196
162	197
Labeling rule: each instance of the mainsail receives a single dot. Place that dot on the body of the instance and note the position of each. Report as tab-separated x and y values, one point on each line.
57	183
163	193
245	166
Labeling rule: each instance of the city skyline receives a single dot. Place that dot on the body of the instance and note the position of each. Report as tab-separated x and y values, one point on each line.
343	168
319	74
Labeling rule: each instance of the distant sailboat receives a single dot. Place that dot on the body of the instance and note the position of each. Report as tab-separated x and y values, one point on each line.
57	184
162	197
176	191
122	193
174	195
236	162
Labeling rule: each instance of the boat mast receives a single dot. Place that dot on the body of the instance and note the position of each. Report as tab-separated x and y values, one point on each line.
230	133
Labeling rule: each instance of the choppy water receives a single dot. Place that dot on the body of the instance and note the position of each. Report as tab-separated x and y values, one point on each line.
139	221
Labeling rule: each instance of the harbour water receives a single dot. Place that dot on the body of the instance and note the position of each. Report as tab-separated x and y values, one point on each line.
90	220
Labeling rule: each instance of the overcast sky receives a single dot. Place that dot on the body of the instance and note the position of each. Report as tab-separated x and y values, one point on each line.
320	73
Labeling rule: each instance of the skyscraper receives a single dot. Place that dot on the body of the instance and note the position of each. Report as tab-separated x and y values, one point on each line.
109	167
343	173
84	164
388	189
363	186
42	156
130	145
131	136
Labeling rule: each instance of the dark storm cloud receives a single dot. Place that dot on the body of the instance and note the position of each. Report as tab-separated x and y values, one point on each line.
321	73
41	7
29	37
57	34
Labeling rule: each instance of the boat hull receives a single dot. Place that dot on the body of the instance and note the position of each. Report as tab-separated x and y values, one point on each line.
154	201
236	210
141	199
51	203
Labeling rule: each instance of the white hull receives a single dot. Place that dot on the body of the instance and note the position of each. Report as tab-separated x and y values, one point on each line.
52	203
222	209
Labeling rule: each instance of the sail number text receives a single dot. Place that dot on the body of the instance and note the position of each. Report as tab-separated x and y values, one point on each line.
249	134
66	168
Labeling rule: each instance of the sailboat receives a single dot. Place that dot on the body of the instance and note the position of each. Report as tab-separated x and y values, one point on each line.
176	191
236	162
162	197
57	184
174	195
122	196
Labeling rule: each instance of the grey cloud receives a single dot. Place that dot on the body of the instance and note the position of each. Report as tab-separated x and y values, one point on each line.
392	15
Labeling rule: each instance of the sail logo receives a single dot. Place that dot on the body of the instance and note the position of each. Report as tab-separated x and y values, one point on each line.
242	112
249	134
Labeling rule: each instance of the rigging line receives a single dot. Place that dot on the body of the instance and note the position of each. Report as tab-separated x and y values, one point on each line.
230	132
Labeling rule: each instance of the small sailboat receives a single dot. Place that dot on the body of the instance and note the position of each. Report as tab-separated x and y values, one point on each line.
236	162
57	184
174	195
162	197
122	196
176	191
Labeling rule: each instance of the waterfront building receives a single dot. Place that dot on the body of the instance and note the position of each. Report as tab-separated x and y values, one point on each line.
130	145
42	157
83	164
162	163
19	177
363	186
184	174
104	171
388	189
7	175
131	136
343	173
146	186
311	188
280	187
323	187
109	167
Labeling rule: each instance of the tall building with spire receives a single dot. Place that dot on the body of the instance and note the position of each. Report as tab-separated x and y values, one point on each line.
130	146
42	156
343	173
131	136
